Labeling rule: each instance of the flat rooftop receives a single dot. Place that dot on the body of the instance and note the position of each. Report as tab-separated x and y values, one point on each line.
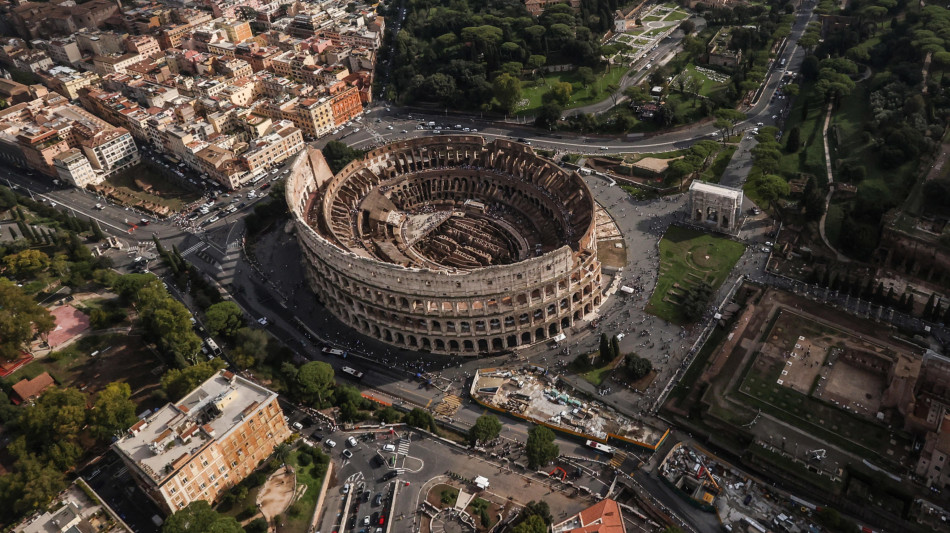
167	439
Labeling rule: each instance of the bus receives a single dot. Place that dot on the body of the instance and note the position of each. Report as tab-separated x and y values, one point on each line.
335	352
212	346
353	373
600	447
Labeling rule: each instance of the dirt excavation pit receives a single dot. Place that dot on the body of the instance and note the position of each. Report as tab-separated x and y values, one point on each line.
278	493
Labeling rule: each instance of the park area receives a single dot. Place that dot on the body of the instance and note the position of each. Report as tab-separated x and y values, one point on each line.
581	94
688	258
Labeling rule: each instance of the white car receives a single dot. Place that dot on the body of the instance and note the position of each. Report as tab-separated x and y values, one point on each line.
389	448
346	488
298	426
263	321
331	444
213	219
350	441
389	127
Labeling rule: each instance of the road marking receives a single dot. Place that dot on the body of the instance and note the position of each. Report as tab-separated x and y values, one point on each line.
429	403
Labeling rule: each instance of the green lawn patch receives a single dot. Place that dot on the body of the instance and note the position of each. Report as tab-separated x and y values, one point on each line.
688	257
650	18
312	475
597	375
675	16
581	96
810	157
708	86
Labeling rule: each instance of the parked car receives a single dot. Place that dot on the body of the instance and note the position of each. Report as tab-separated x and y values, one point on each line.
330	443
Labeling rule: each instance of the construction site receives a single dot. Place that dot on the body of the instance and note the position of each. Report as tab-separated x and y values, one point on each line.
538	396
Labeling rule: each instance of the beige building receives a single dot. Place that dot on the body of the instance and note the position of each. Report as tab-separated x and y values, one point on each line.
205	443
72	166
284	141
67	81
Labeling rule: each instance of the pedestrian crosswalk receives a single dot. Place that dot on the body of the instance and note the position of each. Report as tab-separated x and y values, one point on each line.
403	447
618	459
449	405
194	248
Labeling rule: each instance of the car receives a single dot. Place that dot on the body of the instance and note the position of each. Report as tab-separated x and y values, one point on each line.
404	131
144	222
100	207
474	130
275	171
603	148
389	448
366	520
298	426
366	495
378	500
330	443
348	454
524	141
265	186
389	475
262	320
346	488
389	127
350	441
466	129
213	219
769	243
760	124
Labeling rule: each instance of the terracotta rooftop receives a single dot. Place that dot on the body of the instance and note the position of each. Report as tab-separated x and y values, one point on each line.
27	389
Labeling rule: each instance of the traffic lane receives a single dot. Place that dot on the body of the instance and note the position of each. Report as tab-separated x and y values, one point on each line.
699	520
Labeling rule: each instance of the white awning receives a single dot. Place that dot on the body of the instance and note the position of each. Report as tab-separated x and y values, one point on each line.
627	289
559	337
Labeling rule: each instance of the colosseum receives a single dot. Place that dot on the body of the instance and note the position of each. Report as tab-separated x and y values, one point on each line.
448	244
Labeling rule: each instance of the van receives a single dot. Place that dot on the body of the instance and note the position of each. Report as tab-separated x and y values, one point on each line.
585	171
430	124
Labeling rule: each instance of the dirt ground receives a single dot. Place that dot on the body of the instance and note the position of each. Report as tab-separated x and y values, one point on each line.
122	358
277	494
854	387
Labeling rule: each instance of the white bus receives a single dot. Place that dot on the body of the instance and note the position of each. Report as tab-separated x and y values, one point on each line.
600	446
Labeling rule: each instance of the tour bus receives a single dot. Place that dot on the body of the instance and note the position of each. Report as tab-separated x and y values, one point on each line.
600	446
352	372
335	352
212	346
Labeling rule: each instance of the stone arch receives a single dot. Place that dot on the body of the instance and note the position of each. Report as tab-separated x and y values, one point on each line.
552	309
497	344
400	339
539	334
426	344
468	345
387	335
482	345
552	329
440	345
536	294
565	323
511	341
526	338
413	342
454	346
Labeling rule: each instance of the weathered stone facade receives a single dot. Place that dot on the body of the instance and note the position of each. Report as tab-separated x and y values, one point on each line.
448	244
715	205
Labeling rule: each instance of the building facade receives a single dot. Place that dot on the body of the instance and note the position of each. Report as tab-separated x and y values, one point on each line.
199	447
449	244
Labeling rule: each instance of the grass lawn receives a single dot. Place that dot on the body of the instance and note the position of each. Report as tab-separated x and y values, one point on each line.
686	257
811	156
675	16
312	476
160	191
708	86
581	96
686	109
833	222
651	18
597	375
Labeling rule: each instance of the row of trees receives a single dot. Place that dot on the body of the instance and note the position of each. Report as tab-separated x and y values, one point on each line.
49	437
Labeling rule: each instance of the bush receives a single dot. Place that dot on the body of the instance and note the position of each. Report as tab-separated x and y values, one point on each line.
258	525
256	479
295	510
637	366
304	459
248	512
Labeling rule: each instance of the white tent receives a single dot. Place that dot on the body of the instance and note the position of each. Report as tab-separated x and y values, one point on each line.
481	482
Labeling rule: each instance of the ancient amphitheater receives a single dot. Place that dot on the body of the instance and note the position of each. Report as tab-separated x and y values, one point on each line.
448	244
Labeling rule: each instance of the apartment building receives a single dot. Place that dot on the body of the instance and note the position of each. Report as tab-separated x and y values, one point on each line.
115	63
111	151
200	446
346	105
143	45
68	81
237	31
72	166
284	141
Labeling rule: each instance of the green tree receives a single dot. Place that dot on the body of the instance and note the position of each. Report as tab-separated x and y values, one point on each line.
540	447
548	116
27	263
338	155
560	94
771	187
486	428
540	509
250	345
421	419
637	366
113	411
533	524
30	487
507	92
178	382
314	383
614	347
605	355
696	300
224	318
199	517
586	74
20	316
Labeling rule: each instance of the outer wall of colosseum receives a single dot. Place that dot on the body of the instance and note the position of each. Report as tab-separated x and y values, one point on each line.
446	310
